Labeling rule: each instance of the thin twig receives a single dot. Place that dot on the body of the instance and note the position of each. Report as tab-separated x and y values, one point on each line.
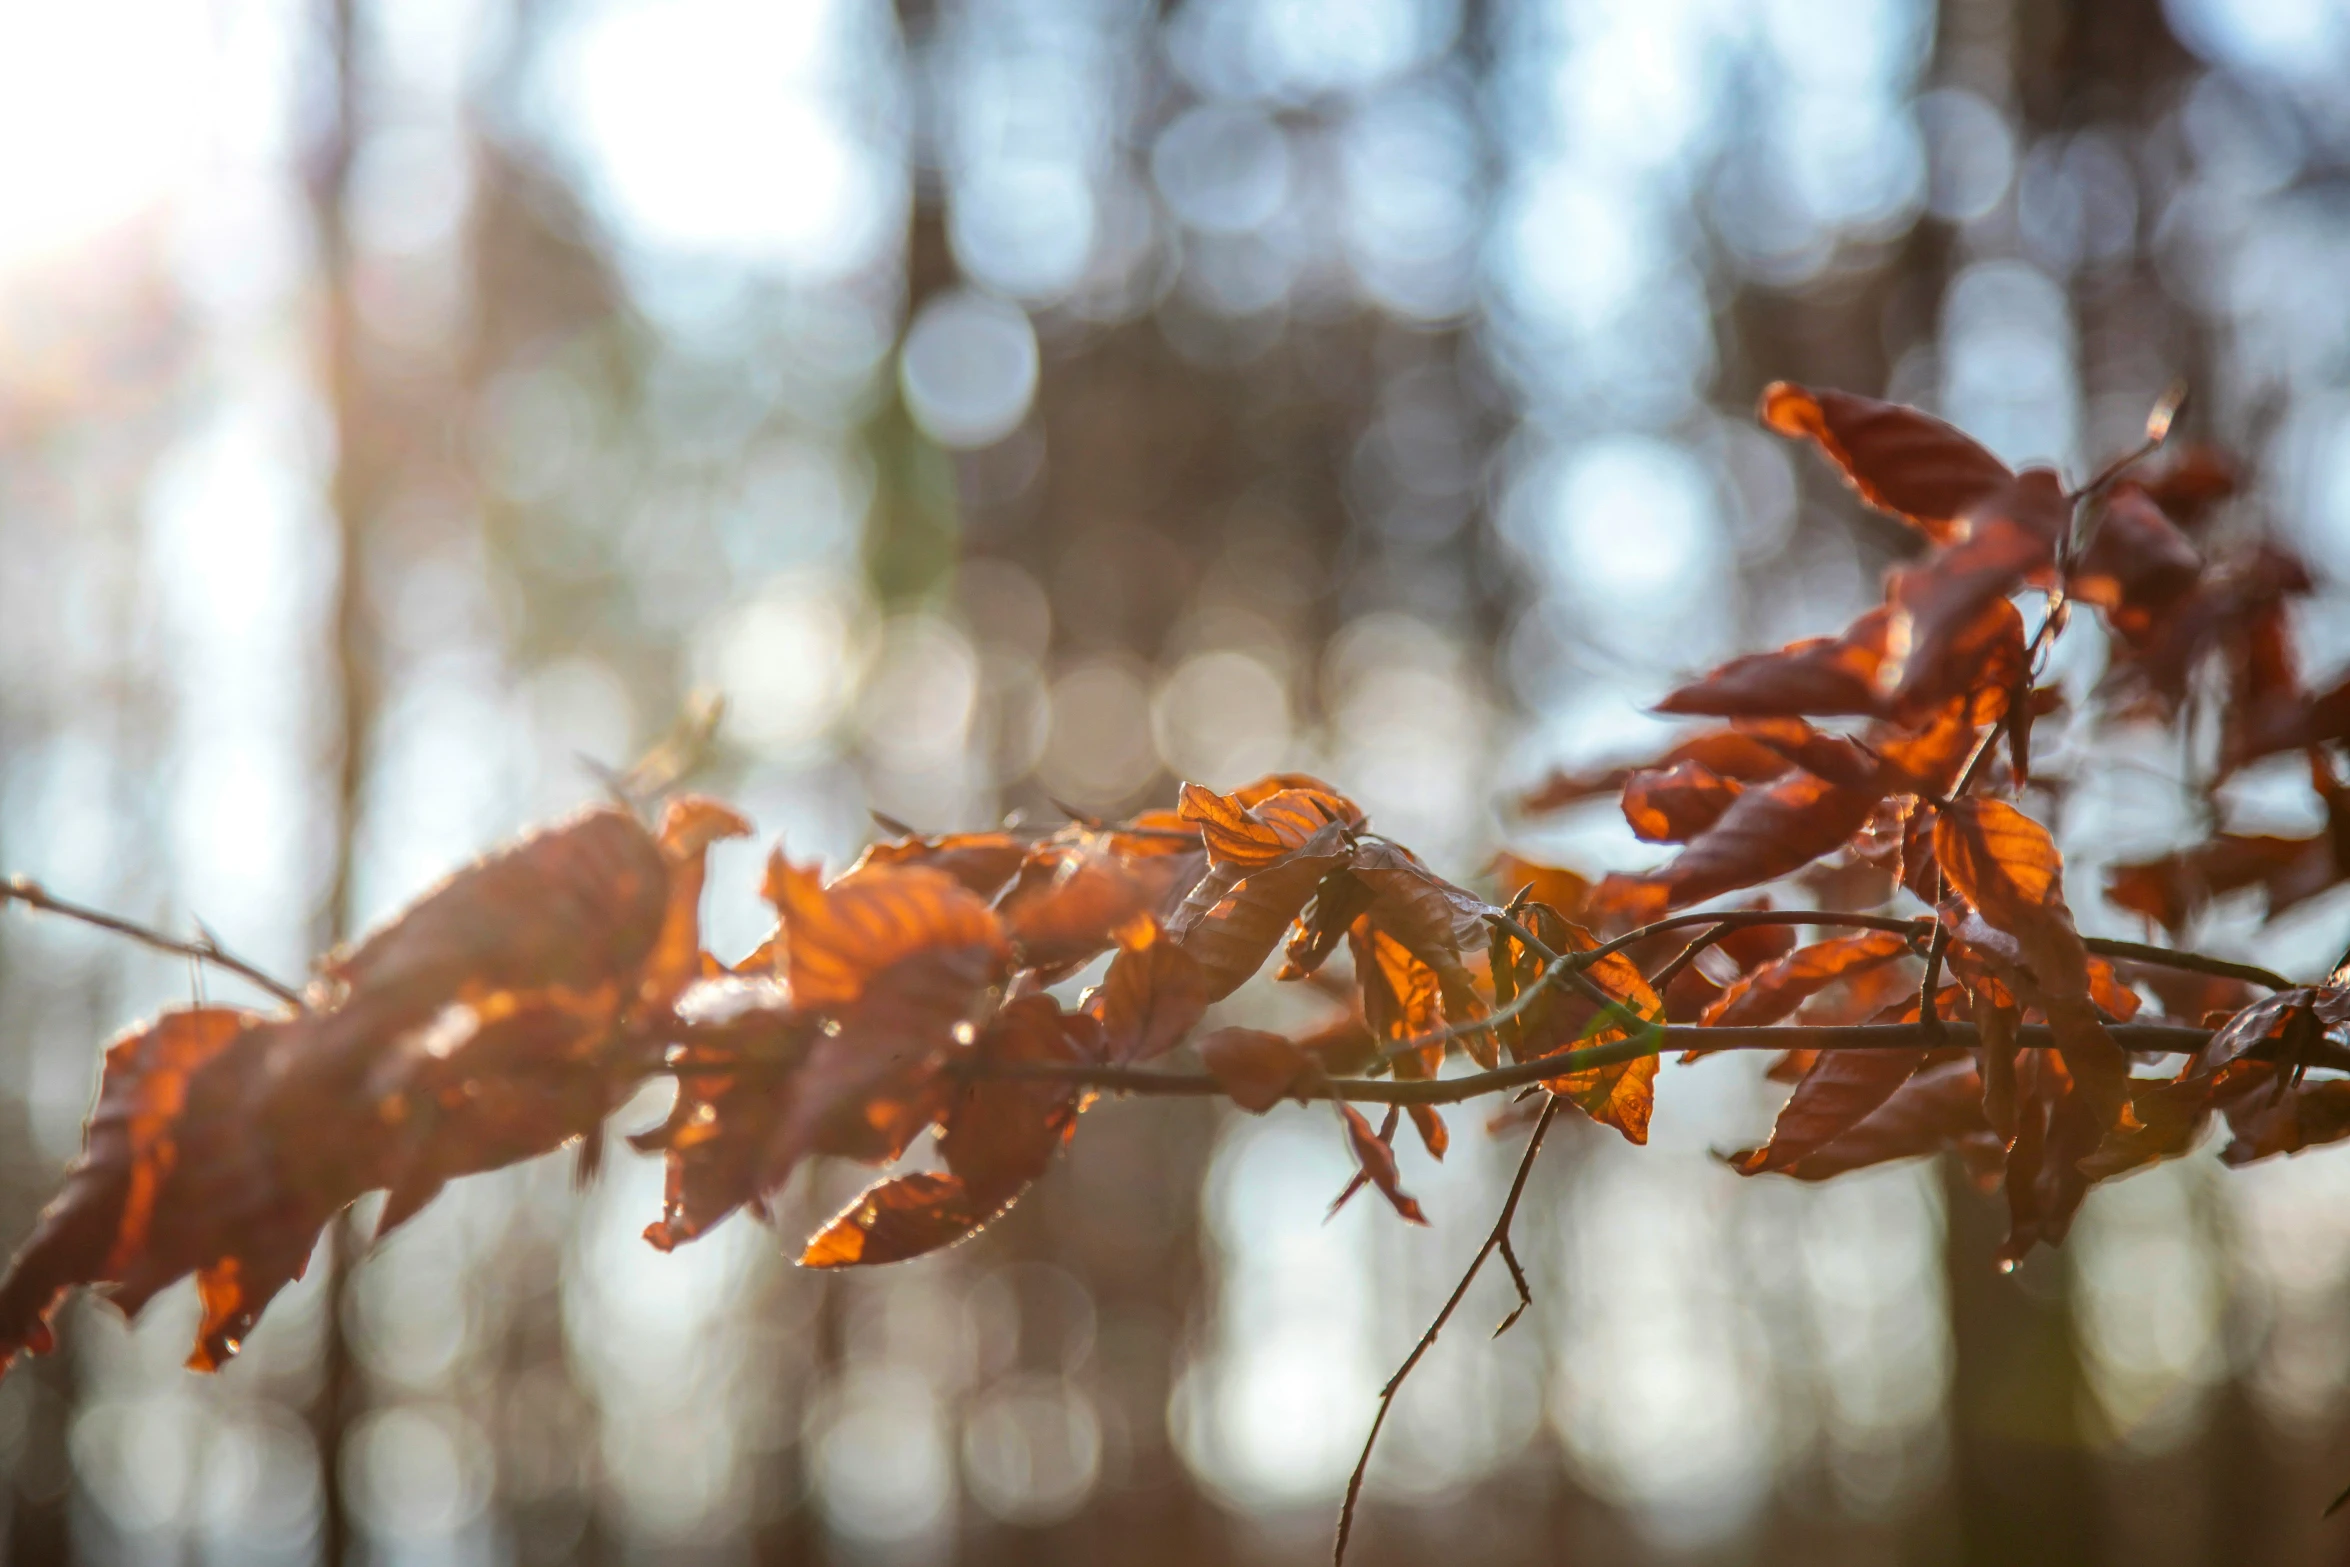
1686	956
1930	988
30	893
1496	1238
2191	962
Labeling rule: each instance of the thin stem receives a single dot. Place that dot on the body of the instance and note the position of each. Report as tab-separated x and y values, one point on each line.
30	893
1496	1239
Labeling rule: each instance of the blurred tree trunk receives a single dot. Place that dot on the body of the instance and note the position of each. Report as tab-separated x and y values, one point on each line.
355	493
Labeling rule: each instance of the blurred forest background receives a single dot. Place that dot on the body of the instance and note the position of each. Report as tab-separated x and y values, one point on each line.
405	406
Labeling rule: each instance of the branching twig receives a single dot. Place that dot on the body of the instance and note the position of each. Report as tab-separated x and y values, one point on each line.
1496	1239
30	893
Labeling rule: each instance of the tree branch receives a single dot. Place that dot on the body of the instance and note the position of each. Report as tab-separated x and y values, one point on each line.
2152	1038
30	893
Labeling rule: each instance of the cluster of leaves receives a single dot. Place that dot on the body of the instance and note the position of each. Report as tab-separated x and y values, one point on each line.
515	1006
928	988
1906	805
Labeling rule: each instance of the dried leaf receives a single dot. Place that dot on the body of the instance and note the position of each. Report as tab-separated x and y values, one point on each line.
1842	1090
1252	836
1256	1068
2006	865
1678	803
1377	1162
1152	996
1777	989
838	937
1900	460
897	1219
1233	920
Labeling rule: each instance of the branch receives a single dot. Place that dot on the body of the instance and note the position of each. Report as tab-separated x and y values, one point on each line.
1498	1238
30	893
2151	1038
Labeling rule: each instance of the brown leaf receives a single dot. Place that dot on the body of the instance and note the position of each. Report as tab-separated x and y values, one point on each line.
1777	989
1842	1090
838	937
1766	833
999	1133
2059	1126
2137	565
896	1219
715	1138
1233	919
1900	460
1938	1107
981	861
1252	836
1678	803
1152	996
2006	865
113	1209
1721	751
2172	889
574	905
1564	890
1256	1068
689	825
1066	906
1869	671
1338	902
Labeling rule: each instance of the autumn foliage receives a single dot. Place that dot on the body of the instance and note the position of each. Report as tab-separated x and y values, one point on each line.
1945	998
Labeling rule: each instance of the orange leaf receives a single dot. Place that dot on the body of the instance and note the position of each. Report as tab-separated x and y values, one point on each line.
1250	837
981	861
576	905
837	937
1234	919
896	1219
1064	907
1766	833
1152	996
